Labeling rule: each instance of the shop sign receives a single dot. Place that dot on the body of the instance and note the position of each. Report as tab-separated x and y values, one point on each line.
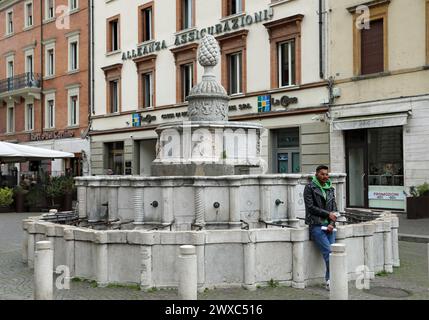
174	115
243	106
51	135
138	119
266	102
222	27
386	195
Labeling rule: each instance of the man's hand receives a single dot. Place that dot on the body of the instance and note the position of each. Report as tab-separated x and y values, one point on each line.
332	217
330	228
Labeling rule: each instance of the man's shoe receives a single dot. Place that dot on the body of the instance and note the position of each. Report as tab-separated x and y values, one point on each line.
327	286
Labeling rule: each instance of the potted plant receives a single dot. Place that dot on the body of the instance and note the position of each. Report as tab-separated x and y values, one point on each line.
19	195
36	198
6	199
68	190
418	202
54	192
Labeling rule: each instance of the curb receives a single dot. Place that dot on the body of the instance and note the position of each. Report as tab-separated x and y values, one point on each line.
413	238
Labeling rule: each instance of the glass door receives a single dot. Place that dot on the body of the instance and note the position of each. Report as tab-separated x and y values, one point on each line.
357	190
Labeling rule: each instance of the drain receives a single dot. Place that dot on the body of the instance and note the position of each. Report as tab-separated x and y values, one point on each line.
387	292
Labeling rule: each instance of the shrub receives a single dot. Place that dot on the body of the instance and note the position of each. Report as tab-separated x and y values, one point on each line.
6	197
420	191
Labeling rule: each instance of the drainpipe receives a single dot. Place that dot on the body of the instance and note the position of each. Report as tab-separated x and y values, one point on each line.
42	98
321	39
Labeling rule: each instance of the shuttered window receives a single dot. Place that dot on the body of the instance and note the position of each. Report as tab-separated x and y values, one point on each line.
372	50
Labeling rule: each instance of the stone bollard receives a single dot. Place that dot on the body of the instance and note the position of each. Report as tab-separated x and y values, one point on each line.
339	289
188	273
43	271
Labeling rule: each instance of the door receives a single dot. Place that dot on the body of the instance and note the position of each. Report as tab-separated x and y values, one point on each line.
286	151
356	159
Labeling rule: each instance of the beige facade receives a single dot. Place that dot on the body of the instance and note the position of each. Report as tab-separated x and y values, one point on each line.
255	32
372	104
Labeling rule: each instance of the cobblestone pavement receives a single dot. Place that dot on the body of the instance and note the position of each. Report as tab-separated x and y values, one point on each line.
16	280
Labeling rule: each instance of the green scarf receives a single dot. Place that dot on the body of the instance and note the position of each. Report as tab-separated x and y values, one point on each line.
327	186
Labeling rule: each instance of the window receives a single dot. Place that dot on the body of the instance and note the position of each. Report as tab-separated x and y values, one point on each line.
114	96
231	7
286	64
186	59
10	123
50	62
113	88
286	151
372	51
73	4
370	46
147	90
29	63
10	69
187	76
9	22
73	53
73	108
115	154
10	72
28	14
49	9
146	70
185	13
285	47
50	113
29	117
146	22
235	73
233	61
113	34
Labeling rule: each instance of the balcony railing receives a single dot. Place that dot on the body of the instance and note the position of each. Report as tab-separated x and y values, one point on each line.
22	81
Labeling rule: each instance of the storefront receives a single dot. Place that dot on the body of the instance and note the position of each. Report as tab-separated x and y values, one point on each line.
375	167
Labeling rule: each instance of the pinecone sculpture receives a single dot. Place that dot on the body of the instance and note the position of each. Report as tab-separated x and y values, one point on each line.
209	51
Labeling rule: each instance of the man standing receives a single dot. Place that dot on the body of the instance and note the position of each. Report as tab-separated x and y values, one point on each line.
320	208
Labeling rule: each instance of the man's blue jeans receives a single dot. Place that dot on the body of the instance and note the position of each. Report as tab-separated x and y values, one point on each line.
323	240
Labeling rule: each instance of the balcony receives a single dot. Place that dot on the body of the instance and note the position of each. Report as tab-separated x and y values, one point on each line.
21	86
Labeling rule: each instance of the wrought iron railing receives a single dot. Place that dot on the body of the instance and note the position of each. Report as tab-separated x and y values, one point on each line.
21	81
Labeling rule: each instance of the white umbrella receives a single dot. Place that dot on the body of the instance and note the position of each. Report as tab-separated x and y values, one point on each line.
10	152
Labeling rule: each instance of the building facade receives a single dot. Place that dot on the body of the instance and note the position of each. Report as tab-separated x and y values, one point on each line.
379	56
44	79
273	65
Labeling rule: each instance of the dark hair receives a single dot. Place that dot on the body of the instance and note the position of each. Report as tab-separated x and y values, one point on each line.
322	167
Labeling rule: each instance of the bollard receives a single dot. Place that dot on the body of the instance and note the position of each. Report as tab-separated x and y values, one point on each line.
339	289
43	271
187	273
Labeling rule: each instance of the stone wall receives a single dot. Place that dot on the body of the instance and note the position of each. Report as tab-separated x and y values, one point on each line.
226	258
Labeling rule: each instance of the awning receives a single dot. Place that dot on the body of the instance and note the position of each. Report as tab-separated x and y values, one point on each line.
10	152
373	121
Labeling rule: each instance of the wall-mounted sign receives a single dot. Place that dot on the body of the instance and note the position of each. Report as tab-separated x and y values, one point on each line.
243	106
145	50
51	135
284	101
265	103
139	118
225	26
174	115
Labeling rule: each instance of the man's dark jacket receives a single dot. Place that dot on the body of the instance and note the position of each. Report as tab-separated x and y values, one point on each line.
317	209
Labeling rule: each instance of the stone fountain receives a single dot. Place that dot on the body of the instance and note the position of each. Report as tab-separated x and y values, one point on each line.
208	144
247	228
